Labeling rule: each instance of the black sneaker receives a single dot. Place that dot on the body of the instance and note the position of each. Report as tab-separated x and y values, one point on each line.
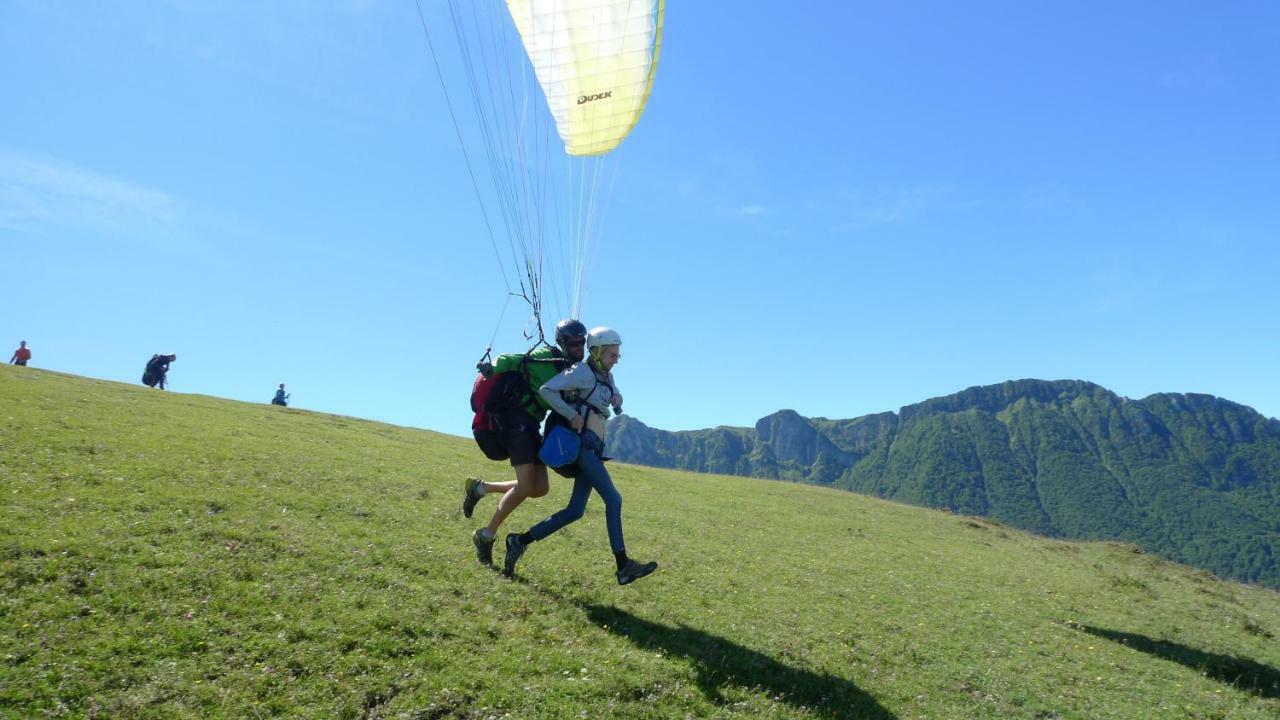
633	571
484	547
515	549
470	496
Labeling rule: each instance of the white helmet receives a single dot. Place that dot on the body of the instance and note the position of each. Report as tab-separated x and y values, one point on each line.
601	336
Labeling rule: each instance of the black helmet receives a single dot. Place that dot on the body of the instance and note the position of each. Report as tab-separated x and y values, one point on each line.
570	328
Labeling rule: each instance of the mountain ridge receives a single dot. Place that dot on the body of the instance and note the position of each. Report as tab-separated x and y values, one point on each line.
1189	476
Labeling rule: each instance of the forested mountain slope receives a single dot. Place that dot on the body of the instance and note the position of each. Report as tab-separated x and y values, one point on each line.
1193	478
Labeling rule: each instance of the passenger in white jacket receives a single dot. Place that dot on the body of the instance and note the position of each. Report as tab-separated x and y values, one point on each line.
583	396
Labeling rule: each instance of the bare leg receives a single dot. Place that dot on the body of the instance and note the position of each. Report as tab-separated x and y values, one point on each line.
491	487
531	481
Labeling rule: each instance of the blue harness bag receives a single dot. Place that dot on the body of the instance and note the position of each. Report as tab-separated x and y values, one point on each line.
561	447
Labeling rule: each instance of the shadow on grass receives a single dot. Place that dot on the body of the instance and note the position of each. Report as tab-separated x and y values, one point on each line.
722	663
1242	673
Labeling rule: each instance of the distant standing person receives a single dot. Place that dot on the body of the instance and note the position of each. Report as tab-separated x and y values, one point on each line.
157	369
22	355
281	397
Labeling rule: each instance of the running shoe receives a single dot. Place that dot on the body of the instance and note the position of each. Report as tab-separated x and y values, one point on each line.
633	571
471	495
484	546
515	549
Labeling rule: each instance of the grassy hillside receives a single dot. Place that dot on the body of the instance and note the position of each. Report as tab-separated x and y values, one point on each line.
171	555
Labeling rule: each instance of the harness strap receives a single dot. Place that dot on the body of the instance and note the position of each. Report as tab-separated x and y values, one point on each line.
595	375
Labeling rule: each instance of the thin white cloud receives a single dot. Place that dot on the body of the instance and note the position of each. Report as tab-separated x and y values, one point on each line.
363	6
40	192
1204	73
1047	196
863	212
296	6
695	190
299	47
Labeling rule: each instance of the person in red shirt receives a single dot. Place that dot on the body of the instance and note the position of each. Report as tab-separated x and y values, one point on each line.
21	355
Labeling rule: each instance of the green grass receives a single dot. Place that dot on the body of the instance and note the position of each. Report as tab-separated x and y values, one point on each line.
166	555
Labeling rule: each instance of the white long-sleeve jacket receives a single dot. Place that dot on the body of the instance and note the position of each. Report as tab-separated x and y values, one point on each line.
580	385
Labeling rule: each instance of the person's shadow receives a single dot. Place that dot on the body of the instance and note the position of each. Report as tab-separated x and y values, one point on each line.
721	663
1243	673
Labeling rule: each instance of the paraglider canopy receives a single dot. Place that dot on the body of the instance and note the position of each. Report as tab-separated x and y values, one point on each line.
584	67
595	61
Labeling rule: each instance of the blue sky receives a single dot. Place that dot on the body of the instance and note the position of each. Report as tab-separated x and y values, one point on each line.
835	207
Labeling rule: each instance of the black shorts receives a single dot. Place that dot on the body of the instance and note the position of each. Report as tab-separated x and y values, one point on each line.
521	437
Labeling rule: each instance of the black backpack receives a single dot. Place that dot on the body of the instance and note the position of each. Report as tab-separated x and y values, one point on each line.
493	397
149	373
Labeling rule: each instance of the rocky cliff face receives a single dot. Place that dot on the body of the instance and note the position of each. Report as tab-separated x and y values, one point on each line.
1192	477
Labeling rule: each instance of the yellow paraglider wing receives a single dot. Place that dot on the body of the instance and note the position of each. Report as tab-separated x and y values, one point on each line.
595	61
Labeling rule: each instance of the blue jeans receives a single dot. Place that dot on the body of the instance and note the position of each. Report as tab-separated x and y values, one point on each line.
592	475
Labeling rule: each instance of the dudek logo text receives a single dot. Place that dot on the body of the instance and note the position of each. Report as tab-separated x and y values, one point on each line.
598	96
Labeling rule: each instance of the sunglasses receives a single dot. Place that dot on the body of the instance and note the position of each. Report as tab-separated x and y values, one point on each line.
579	342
